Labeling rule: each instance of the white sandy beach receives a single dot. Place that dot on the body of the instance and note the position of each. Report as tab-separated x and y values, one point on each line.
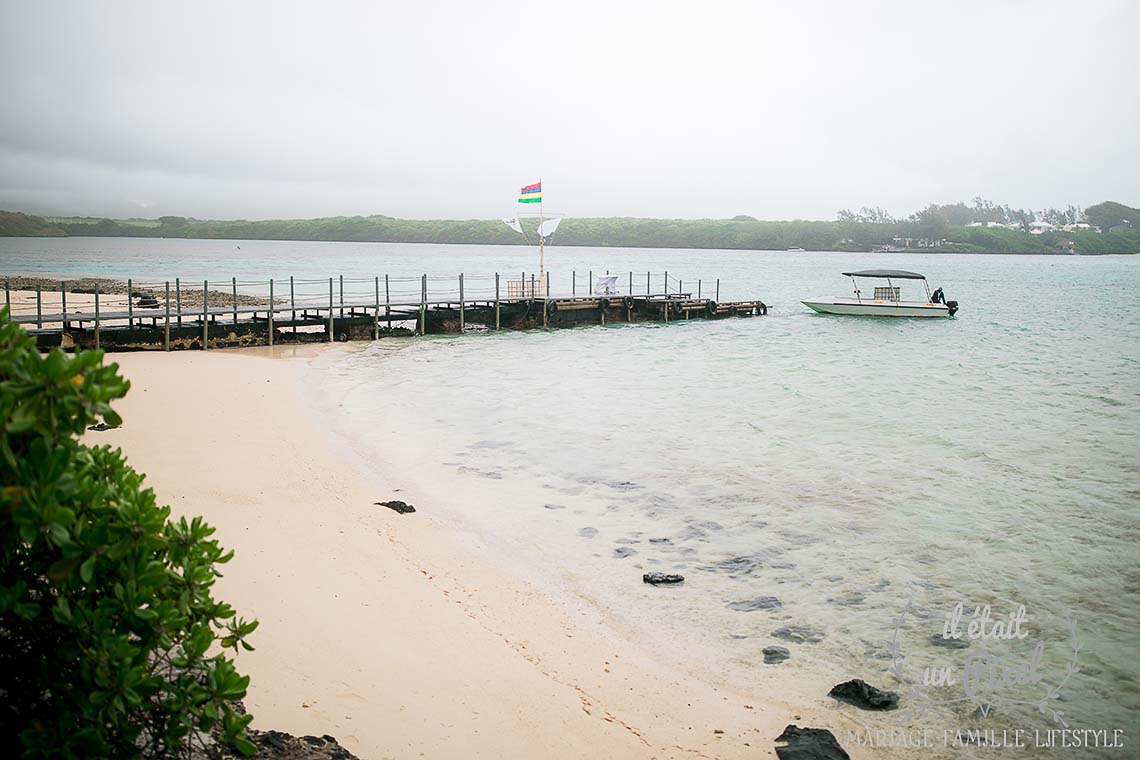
397	634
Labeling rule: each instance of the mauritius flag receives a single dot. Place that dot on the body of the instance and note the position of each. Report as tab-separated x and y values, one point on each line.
531	193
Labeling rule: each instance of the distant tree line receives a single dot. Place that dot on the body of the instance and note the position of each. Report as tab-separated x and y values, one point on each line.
936	227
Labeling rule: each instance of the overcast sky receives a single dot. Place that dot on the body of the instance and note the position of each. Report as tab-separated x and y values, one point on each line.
669	109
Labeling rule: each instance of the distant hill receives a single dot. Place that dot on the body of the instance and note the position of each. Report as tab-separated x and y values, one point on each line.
16	224
1108	214
933	229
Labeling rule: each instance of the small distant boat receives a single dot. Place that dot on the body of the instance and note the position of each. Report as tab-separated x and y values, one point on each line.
795	249
886	301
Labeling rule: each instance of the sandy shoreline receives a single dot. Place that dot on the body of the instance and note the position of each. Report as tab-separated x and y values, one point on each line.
398	634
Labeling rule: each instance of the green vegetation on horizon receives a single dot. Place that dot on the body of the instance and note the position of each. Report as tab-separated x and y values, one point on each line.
859	231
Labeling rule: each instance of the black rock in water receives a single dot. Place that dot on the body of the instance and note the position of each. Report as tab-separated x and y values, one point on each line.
397	506
775	655
863	695
662	579
798	634
941	641
809	744
759	603
101	427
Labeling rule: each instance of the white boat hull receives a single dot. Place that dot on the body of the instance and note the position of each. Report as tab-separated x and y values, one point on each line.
868	308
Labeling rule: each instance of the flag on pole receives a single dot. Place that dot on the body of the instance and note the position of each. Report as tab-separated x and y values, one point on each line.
513	223
531	193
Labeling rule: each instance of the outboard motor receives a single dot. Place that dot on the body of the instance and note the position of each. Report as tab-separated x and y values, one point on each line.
939	297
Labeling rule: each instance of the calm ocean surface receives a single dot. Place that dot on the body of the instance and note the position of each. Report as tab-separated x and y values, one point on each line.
845	466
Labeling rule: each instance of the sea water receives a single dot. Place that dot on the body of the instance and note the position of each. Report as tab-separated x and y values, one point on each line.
855	478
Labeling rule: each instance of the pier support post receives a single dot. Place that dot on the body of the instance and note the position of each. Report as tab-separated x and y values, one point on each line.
130	305
205	315
178	299
423	305
96	316
331	312
462	315
271	311
166	327
233	282
376	314
496	300
39	307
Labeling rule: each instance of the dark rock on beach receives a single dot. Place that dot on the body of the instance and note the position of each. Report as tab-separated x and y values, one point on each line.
759	603
554	506
101	427
624	551
941	641
587	532
775	655
663	579
278	745
809	744
798	634
397	506
865	696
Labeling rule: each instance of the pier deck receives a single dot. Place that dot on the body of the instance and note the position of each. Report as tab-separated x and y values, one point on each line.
155	316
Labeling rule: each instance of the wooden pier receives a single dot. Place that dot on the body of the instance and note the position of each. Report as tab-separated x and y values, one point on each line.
172	315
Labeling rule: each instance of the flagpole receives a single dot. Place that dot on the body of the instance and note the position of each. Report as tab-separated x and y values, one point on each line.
541	251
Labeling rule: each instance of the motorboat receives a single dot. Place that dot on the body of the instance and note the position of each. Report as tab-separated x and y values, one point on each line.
885	301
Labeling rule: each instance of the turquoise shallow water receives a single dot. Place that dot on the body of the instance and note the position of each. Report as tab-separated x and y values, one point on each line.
844	466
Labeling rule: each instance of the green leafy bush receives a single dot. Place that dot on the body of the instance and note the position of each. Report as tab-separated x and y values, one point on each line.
111	644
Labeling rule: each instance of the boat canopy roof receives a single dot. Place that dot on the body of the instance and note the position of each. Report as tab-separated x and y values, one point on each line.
896	274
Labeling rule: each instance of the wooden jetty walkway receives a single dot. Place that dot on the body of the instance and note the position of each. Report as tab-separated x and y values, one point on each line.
174	314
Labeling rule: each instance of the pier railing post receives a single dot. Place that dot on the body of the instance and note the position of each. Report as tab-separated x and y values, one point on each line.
293	303
166	326
63	303
573	283
271	305
496	300
130	305
423	305
647	283
665	280
331	312
342	296
462	316
631	283
205	315
387	303
591	282
718	290
376	314
233	282
96	316
7	295
39	307
178	299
